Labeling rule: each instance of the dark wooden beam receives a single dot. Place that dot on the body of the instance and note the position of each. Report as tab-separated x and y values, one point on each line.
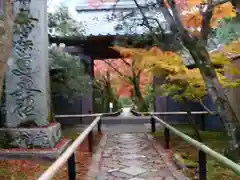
99	47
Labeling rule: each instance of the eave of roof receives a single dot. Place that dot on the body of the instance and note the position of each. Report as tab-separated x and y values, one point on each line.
108	39
90	36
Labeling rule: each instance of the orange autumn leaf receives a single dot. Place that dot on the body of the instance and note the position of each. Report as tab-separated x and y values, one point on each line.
158	51
193	19
121	84
221	11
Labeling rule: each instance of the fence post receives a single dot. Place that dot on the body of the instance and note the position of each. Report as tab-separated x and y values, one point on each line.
166	138
153	124
203	128
202	165
99	125
90	141
71	168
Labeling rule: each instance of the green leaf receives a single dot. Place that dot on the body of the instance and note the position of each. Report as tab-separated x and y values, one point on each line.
228	30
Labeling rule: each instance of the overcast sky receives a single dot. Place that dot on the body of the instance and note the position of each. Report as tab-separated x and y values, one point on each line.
53	4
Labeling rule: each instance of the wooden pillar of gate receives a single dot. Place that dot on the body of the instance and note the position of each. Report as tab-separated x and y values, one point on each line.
93	91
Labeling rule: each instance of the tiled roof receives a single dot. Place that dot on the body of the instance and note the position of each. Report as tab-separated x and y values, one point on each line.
84	38
97	24
96	21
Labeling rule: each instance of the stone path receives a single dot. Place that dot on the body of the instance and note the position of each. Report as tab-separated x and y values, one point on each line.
126	112
130	156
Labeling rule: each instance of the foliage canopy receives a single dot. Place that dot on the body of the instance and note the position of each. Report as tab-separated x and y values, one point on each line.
182	82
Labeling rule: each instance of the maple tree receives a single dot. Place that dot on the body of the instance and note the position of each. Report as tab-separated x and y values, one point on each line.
106	82
201	56
131	79
180	82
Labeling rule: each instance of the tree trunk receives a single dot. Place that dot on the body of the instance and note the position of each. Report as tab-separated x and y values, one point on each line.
6	23
138	95
236	3
191	122
215	90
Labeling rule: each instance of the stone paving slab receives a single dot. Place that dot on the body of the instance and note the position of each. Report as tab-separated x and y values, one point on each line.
131	156
123	128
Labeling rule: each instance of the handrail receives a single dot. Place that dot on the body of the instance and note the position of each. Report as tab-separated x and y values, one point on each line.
220	158
179	113
77	115
171	113
116	113
50	172
88	115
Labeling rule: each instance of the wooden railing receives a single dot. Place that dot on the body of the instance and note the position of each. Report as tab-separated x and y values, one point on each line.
203	150
171	113
89	115
200	113
69	155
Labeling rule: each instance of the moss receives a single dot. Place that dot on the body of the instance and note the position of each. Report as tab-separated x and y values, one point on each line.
232	154
70	133
184	155
180	161
51	117
6	140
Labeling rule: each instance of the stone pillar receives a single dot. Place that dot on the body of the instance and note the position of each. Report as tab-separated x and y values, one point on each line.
27	76
27	80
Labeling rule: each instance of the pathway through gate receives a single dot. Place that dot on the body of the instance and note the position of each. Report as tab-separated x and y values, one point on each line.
126	112
131	156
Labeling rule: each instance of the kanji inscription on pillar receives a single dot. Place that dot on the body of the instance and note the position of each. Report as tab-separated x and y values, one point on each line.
1	7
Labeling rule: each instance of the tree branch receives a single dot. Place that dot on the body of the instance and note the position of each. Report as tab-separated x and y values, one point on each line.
168	16
206	108
155	38
206	28
100	83
125	62
116	70
156	20
207	17
185	37
139	73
